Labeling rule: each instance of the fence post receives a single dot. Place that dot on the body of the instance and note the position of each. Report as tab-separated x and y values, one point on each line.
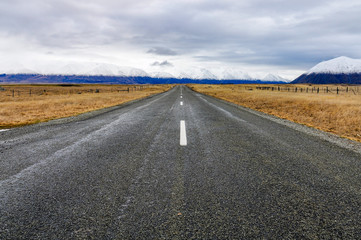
337	90
13	92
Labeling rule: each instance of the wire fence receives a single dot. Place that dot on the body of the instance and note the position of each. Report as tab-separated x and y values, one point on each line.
22	91
355	90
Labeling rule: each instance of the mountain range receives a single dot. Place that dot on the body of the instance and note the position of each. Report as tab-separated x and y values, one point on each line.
341	70
91	70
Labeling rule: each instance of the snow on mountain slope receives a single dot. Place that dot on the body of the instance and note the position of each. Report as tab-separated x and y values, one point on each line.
161	75
184	75
17	69
72	69
106	69
232	74
200	73
99	69
22	71
102	69
275	78
134	72
338	65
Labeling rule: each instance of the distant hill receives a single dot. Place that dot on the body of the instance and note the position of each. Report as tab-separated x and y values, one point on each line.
328	78
341	70
76	79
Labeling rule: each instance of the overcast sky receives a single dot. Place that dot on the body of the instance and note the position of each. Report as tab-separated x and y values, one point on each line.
281	36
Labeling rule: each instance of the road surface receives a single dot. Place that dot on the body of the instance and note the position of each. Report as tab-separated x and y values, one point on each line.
179	165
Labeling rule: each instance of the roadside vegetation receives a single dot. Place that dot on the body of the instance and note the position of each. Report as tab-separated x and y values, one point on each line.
28	104
331	108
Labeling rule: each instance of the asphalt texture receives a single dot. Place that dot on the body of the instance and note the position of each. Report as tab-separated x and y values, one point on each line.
121	173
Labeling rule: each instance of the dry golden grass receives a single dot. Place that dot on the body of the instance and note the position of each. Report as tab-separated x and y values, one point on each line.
27	104
339	114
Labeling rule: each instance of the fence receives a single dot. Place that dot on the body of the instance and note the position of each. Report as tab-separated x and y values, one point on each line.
21	91
309	89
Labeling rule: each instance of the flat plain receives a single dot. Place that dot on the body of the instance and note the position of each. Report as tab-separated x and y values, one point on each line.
331	108
27	104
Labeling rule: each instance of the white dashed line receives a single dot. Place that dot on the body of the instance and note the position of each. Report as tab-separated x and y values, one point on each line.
181	96
183	135
181	103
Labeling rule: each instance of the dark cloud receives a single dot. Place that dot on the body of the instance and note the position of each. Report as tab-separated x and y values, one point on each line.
162	51
162	64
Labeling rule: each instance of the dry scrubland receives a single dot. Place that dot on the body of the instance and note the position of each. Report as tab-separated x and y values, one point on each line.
336	113
27	104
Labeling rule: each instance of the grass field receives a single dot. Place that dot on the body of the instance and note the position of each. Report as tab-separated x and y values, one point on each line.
335	109
27	104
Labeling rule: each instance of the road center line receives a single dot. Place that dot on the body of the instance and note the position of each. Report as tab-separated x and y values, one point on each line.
183	135
181	103
181	96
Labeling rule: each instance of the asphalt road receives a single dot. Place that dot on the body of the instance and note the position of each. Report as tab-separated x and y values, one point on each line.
126	173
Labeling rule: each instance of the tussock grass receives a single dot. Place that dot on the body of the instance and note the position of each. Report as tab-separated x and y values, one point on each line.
339	114
28	104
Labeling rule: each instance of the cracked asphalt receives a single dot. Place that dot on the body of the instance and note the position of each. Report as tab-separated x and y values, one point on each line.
120	173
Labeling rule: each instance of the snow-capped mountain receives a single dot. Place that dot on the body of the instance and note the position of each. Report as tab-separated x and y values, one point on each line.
200	73
161	75
79	68
112	70
90	69
274	78
338	65
341	70
22	71
231	74
100	69
16	69
134	72
184	75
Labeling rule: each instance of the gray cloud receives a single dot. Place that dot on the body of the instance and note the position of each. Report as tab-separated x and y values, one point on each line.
162	51
293	33
162	64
